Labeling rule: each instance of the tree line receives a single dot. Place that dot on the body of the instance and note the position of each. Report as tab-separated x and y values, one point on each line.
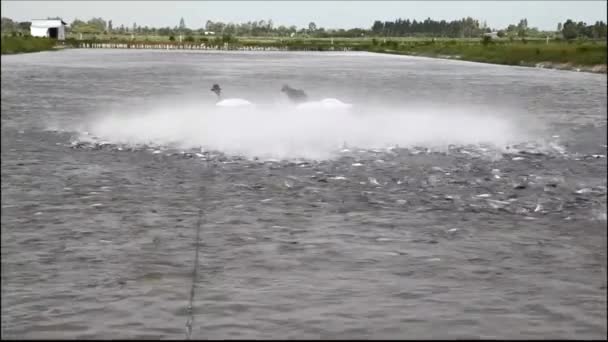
462	28
572	30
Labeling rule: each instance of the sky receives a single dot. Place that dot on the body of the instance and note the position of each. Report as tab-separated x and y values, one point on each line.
329	14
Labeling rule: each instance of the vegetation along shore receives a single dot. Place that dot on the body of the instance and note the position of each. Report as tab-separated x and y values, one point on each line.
573	46
13	45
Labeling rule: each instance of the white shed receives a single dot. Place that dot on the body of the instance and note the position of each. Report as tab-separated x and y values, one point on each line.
492	35
50	28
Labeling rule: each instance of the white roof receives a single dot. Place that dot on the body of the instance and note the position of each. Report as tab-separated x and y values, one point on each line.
46	23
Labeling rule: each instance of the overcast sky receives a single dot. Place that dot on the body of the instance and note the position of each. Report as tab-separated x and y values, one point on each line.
328	14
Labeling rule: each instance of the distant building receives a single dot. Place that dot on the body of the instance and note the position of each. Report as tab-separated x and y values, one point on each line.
209	33
492	35
50	28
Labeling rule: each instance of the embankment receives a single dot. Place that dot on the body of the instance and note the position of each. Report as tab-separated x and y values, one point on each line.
578	56
587	56
13	45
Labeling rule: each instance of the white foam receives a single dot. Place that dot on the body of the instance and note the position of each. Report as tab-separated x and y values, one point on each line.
233	103
284	131
329	103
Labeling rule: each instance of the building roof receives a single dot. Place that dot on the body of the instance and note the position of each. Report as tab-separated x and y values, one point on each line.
46	23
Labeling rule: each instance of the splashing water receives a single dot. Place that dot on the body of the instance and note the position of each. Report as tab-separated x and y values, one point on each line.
313	130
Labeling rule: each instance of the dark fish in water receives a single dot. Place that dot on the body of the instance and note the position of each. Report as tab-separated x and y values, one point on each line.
295	95
217	90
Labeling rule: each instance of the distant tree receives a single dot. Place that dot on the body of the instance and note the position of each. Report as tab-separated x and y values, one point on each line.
599	30
533	32
581	29
312	27
24	26
500	33
559	27
110	28
219	28
281	31
522	28
229	29
171	38
521	33
378	27
182	24
97	24
8	25
76	24
569	30
165	31
466	27
523	24
228	39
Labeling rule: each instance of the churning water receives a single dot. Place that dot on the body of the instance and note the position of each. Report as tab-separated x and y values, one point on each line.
282	131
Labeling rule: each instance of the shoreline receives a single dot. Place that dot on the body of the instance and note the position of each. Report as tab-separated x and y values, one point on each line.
274	46
593	69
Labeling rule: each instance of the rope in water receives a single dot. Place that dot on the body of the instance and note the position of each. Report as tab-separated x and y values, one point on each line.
190	309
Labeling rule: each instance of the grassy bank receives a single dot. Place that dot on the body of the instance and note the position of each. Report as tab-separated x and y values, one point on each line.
12	45
576	54
584	55
526	53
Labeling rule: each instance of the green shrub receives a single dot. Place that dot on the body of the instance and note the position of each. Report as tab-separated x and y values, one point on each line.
12	45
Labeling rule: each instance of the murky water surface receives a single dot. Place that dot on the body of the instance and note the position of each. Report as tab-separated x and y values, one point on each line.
452	200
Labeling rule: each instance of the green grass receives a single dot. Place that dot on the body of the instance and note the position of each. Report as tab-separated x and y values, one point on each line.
509	53
583	53
12	45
